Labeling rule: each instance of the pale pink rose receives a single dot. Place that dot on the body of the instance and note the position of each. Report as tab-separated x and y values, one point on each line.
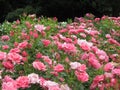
8	64
108	67
84	44
14	57
42	81
39	65
22	82
102	55
108	36
54	88
5	47
65	87
69	47
58	68
5	38
50	83
46	42
33	78
83	35
3	55
82	76
74	65
116	72
47	59
108	75
9	85
39	27
15	50
23	45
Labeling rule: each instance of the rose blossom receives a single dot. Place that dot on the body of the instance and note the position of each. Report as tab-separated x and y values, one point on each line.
46	42
50	83
65	87
74	65
8	64
5	38
39	65
82	76
14	57
5	47
9	85
2	55
58	68
47	59
33	78
108	67
22	45
116	72
15	50
68	47
22	82
39	27
84	44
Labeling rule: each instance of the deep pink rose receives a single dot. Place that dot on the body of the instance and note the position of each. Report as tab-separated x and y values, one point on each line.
46	42
8	64
22	82
58	68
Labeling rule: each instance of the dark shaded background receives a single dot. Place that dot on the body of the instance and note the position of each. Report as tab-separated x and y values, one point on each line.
11	9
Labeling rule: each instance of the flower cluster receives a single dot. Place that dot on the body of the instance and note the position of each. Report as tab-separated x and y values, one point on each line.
40	53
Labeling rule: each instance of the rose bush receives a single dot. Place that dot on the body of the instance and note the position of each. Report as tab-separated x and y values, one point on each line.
42	54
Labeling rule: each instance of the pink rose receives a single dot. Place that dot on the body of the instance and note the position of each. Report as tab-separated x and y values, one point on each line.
108	67
82	68
116	72
38	55
46	42
23	45
85	45
68	47
58	68
47	59
9	85
2	55
39	65
15	50
22	82
8	64
14	57
82	76
5	47
39	27
5	38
